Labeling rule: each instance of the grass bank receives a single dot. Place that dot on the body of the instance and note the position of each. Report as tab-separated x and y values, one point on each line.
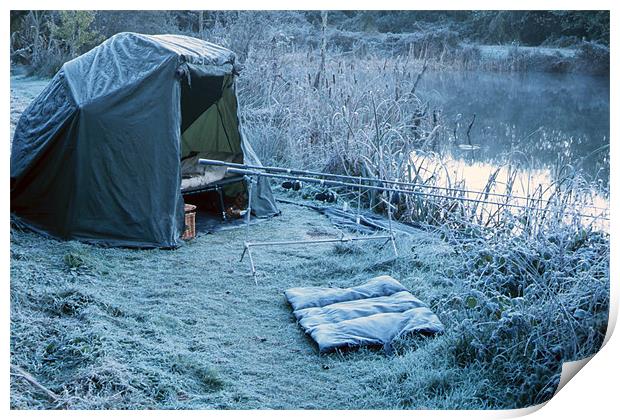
116	328
518	293
119	328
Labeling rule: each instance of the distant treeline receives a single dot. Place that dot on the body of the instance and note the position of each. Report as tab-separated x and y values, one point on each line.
44	40
531	28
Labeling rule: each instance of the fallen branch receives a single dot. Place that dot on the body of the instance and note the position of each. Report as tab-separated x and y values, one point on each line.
29	378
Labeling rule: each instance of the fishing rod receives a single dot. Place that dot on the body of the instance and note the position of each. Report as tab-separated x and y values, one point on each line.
327	182
359	179
251	175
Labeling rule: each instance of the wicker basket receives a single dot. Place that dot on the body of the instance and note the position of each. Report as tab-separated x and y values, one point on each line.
190	222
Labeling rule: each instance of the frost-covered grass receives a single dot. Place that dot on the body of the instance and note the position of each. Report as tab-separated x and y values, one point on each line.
503	51
119	328
518	292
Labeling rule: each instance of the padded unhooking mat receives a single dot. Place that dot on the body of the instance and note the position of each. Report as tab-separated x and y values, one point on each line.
374	313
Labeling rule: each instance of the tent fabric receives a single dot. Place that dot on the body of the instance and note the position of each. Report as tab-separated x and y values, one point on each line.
197	96
374	313
96	156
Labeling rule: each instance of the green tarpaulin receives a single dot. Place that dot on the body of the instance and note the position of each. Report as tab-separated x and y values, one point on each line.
97	155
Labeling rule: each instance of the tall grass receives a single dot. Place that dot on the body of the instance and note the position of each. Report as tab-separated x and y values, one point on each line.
365	118
535	288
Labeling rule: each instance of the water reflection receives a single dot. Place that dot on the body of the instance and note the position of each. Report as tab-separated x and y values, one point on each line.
551	117
514	186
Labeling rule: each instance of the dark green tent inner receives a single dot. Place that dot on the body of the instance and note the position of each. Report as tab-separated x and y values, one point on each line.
209	129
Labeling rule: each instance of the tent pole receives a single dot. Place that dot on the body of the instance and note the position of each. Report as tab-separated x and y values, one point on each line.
246	245
220	196
252	267
250	182
320	241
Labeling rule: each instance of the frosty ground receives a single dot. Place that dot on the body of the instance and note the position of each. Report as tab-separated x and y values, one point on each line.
188	328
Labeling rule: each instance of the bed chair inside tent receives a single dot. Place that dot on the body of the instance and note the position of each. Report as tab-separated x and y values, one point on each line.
107	152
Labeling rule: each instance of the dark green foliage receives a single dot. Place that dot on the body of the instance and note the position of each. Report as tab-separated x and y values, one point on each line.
527	27
594	58
73	31
73	261
537	27
45	40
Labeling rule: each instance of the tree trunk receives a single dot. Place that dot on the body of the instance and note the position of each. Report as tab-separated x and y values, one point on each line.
321	72
201	24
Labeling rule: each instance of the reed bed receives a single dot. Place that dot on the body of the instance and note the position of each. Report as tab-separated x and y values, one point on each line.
534	287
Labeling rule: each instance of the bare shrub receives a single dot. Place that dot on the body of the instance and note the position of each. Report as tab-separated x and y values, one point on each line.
594	58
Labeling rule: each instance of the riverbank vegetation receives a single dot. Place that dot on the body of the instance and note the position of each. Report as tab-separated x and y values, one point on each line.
565	41
520	288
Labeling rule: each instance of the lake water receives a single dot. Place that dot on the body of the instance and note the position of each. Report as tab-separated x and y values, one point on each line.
542	118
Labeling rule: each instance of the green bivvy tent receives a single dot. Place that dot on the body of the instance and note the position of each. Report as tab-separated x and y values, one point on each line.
98	155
